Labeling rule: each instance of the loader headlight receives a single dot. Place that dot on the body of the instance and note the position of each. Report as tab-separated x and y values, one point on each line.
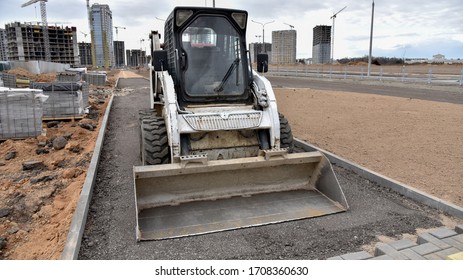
240	18
182	16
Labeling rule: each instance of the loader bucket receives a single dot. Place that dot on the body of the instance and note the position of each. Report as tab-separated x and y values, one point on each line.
174	200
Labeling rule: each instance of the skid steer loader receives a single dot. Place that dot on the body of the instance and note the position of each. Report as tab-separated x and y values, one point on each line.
216	153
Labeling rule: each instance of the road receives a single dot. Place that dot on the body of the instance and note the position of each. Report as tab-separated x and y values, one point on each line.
110	229
452	94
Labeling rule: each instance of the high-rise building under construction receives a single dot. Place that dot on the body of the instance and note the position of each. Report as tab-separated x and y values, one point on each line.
321	47
119	53
3	46
284	46
26	42
102	36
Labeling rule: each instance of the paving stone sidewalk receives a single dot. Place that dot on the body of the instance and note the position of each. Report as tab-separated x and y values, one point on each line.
437	244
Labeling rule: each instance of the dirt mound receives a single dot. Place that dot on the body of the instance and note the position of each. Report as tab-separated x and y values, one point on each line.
23	73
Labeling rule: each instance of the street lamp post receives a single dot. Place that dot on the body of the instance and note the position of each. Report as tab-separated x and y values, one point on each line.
141	54
371	37
263	32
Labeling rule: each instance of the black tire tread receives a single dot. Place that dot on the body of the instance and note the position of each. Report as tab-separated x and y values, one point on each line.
154	144
286	135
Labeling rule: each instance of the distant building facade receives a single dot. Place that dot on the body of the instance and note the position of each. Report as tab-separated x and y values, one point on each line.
85	54
3	45
321	47
26	42
102	36
284	46
136	58
119	53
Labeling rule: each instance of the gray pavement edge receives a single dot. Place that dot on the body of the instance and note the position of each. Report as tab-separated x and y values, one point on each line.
76	230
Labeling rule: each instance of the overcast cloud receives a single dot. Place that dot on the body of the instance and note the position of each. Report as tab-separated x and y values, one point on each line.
410	28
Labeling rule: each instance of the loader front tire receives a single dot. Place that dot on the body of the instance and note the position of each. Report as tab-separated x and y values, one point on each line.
286	135
154	144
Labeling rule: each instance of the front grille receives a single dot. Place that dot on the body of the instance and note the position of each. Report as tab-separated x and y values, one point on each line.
224	121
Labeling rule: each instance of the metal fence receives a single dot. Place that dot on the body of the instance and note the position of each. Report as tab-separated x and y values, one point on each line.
404	74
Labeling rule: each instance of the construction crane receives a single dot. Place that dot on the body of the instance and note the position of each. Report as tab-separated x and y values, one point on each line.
333	17
117	31
43	12
85	34
290	26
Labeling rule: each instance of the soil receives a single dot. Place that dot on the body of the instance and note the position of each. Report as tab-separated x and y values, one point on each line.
37	205
413	141
416	142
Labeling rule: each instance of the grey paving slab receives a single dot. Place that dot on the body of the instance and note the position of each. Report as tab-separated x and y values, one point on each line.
402	244
447	252
382	257
453	242
412	254
459	229
458	238
443	232
386	249
425	249
337	258
432	257
362	255
426	237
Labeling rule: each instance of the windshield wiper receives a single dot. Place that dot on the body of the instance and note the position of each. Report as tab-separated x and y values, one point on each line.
232	67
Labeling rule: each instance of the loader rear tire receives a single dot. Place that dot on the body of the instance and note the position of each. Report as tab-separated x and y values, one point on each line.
154	144
286	135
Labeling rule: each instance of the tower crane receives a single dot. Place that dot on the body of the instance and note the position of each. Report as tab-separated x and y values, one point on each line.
43	12
290	26
117	31
333	17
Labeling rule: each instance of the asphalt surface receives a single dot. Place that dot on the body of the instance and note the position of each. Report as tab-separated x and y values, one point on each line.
110	229
449	94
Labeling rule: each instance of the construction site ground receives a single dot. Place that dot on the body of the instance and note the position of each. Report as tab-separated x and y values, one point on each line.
414	141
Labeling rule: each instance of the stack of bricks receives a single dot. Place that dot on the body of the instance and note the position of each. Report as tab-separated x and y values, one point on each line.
97	79
9	80
438	244
20	113
66	100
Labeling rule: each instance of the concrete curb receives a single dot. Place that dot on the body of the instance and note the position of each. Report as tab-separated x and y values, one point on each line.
76	230
117	83
384	181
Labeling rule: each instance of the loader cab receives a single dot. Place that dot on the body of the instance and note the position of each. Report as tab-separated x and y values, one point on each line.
208	50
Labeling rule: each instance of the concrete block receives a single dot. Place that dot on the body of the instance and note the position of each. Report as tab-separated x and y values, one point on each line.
425	249
459	229
412	254
386	249
426	237
443	232
402	244
362	255
337	258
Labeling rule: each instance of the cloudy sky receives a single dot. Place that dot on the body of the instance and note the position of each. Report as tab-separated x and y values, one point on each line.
411	29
